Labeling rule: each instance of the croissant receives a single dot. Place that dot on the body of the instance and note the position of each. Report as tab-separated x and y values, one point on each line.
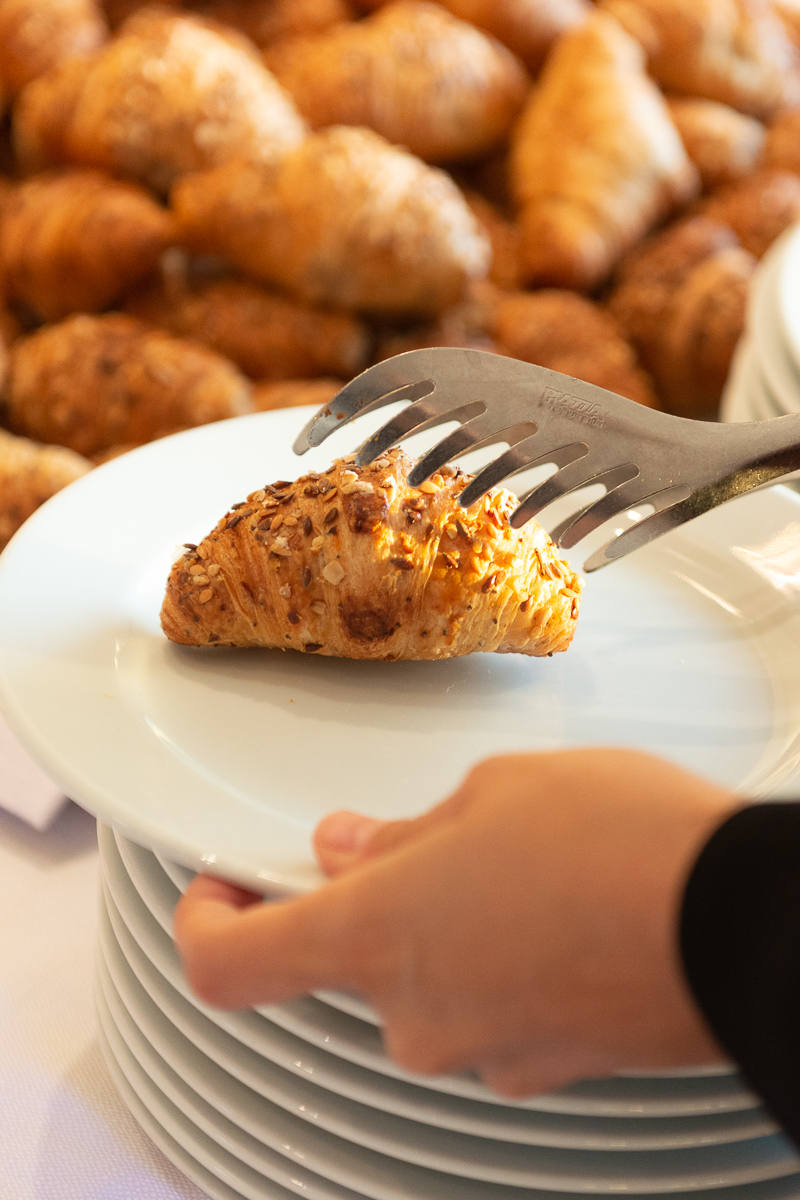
266	21
37	34
413	73
734	51
94	382
71	241
789	13
356	564
291	393
782	148
465	324
117	11
170	95
503	237
267	335
528	27
568	333
758	208
344	220
681	300
724	145
29	475
43	111
595	159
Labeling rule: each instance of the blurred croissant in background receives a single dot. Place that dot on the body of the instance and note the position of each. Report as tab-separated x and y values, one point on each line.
411	72
169	95
735	51
344	219
74	240
30	474
90	383
596	159
38	34
681	299
267	335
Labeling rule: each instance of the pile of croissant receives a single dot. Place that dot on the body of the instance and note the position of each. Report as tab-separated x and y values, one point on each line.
212	208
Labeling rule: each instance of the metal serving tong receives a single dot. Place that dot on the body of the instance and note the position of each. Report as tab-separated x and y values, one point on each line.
680	468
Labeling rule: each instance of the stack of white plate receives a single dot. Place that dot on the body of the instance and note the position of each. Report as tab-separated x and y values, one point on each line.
764	380
299	1098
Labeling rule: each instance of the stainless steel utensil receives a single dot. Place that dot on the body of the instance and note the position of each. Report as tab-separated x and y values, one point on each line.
681	468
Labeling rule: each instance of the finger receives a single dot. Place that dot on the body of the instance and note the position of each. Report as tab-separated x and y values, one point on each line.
210	887
344	840
339	839
237	953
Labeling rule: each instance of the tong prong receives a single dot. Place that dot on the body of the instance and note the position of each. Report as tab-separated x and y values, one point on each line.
673	507
362	395
471	436
577	474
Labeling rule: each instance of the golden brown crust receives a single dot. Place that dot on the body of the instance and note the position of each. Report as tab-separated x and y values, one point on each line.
92	382
681	300
734	51
118	11
724	145
37	34
354	563
782	147
596	159
267	335
72	241
291	393
344	220
758	208
789	13
171	95
266	21
503	237
568	333
43	112
413	73
29	475
528	27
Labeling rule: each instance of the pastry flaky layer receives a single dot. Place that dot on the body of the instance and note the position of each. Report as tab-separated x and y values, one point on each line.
354	563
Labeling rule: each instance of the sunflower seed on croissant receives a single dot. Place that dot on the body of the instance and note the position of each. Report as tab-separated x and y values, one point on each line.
354	563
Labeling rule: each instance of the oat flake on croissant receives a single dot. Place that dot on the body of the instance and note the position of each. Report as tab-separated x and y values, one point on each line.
354	563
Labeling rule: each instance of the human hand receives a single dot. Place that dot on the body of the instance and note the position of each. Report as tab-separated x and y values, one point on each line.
525	928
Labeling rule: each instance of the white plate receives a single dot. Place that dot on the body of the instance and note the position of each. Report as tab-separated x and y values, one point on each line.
181	1158
346	1055
204	756
191	1045
186	1143
779	1189
536	1173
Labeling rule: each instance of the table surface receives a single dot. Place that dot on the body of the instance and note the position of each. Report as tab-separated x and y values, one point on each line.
65	1133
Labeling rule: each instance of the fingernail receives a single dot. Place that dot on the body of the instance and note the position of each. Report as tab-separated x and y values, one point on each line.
346	832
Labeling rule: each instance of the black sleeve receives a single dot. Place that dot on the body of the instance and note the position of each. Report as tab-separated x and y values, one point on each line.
740	941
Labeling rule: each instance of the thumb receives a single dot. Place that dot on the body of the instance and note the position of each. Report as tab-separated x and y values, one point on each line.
344	840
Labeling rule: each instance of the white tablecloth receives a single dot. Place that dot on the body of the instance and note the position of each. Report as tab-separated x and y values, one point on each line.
64	1132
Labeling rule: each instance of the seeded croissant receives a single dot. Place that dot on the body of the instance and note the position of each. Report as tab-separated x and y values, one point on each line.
354	563
30	474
